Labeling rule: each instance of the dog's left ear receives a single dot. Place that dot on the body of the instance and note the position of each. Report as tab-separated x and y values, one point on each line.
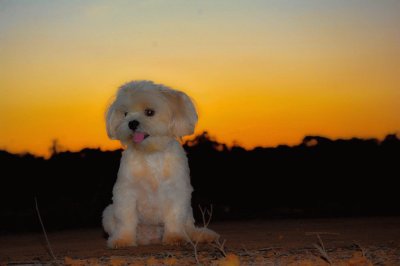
183	111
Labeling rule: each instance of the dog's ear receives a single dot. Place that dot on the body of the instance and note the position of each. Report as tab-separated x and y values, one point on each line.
113	118
184	115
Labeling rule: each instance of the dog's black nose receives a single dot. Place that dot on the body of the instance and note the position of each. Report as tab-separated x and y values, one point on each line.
133	124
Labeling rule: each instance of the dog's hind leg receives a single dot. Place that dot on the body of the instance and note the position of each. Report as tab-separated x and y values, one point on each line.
109	220
200	234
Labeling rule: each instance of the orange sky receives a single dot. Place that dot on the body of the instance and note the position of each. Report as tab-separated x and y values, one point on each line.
261	72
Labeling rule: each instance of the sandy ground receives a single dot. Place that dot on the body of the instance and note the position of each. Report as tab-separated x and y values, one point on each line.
366	241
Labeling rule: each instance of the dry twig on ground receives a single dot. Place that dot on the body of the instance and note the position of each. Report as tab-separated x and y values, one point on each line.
322	250
44	232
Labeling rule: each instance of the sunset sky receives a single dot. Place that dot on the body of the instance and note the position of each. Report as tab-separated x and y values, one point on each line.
262	73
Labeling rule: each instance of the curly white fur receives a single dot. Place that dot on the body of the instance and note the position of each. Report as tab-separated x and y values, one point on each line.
151	197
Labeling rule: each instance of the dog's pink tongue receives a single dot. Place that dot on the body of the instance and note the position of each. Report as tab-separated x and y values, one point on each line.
138	137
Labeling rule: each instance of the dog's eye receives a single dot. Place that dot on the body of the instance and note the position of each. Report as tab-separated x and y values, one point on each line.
126	113
149	112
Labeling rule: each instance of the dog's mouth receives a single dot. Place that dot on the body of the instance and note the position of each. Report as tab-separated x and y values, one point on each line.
138	136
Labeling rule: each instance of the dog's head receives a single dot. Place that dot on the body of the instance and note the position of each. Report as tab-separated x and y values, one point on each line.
142	112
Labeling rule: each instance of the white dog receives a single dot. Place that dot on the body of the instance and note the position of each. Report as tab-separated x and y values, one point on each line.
152	194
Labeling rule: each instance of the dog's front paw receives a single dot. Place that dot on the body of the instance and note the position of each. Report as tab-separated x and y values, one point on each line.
174	239
121	242
204	235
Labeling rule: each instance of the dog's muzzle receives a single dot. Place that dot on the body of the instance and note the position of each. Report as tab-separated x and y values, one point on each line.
138	136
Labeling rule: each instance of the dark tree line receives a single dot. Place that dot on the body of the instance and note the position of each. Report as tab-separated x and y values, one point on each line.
319	177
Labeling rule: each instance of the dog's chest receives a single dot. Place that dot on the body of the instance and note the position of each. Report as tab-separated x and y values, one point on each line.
150	178
149	172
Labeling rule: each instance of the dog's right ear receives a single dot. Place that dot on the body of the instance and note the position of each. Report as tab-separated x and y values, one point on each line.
113	118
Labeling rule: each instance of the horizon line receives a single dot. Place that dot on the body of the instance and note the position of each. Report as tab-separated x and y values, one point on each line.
186	140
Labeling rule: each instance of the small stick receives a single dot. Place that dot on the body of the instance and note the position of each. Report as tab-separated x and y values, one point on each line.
44	232
322	250
220	246
245	250
194	248
203	214
364	253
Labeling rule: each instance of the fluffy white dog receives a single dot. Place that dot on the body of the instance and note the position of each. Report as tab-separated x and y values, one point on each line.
152	194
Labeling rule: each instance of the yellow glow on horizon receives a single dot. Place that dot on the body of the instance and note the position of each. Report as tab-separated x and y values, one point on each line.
260	74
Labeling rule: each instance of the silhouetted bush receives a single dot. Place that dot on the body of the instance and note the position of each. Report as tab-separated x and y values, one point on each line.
317	178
